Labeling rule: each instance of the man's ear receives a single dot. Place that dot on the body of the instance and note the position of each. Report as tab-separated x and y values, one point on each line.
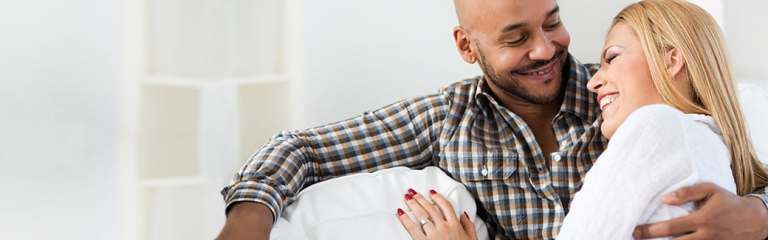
675	62
464	45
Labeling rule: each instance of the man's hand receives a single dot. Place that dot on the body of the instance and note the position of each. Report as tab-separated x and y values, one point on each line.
720	215
247	220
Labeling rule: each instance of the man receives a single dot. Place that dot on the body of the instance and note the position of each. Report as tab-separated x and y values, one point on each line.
520	138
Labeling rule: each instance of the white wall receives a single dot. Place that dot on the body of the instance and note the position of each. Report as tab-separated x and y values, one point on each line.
747	38
588	22
362	55
59	116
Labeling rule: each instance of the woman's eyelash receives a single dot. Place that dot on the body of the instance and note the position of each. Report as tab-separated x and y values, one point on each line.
610	58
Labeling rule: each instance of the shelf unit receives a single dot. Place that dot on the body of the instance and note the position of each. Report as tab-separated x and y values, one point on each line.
212	81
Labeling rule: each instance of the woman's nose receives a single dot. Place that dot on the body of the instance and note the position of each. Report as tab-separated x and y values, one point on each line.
595	83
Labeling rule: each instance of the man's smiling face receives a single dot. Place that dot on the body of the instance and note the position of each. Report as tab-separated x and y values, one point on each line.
521	46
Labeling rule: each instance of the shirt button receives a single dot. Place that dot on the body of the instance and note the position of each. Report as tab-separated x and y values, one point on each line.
484	172
555	156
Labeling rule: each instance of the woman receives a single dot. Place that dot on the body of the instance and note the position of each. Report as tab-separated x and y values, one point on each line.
670	110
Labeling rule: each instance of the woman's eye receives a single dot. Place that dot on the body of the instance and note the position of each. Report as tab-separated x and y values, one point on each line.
610	58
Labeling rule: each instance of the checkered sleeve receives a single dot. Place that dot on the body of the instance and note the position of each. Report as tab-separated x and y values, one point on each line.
761	193
401	134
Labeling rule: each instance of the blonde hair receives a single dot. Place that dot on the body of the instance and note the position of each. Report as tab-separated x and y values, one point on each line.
662	25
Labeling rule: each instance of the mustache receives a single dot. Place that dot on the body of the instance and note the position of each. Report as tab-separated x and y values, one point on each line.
537	64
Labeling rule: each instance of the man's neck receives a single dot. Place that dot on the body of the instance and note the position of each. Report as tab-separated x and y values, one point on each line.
533	114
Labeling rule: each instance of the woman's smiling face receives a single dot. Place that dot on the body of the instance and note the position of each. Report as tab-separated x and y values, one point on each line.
623	83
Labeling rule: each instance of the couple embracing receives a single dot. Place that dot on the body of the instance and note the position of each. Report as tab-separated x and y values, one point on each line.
611	151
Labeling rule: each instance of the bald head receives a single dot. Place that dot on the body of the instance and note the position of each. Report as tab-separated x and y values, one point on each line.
486	13
469	10
460	6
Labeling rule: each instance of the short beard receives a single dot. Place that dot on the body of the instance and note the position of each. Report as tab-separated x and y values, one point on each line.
512	86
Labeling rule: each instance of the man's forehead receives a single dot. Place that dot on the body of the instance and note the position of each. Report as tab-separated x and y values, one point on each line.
485	12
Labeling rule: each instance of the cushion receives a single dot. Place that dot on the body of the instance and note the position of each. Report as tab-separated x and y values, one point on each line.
364	205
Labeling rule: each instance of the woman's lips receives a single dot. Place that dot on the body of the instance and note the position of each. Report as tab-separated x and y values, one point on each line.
607	99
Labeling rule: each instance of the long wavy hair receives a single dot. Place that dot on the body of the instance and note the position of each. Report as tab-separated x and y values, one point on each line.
663	25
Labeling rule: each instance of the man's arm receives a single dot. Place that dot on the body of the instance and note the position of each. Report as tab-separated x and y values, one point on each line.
247	220
402	134
720	215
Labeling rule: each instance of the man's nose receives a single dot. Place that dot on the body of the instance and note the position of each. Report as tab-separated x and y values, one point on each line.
543	48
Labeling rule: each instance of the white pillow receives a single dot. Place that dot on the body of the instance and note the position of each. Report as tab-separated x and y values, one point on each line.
754	101
363	206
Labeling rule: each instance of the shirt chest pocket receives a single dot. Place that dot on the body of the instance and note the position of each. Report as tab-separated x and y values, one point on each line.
492	165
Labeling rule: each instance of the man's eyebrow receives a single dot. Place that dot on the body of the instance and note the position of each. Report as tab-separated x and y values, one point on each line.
512	27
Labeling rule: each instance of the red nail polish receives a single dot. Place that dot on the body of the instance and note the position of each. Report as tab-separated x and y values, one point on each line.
412	192
408	197
400	212
432	191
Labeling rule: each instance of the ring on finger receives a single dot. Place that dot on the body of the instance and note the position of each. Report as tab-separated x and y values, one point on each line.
424	221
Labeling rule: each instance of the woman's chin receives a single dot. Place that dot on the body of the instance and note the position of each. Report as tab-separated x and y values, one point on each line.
607	130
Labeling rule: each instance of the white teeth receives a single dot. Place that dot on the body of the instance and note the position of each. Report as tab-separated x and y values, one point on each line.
544	71
607	100
540	72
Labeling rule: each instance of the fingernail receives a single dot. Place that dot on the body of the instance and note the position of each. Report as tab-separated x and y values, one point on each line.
400	212
432	191
408	197
411	191
465	214
636	234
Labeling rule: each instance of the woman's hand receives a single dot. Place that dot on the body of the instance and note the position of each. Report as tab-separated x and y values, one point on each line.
434	220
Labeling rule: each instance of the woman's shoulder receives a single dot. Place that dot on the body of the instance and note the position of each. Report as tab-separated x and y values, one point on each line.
666	120
655	121
655	112
666	131
662	123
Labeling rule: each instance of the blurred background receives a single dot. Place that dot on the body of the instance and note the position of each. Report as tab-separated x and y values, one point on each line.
123	119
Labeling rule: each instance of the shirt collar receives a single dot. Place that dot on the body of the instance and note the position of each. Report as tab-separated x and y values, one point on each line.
577	100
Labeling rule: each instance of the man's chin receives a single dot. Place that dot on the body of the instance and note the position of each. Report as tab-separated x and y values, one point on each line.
544	93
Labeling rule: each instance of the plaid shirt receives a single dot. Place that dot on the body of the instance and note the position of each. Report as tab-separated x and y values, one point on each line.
523	192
